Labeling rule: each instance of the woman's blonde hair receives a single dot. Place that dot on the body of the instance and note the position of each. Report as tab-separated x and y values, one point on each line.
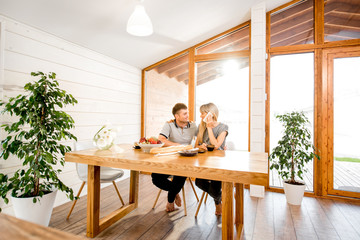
209	107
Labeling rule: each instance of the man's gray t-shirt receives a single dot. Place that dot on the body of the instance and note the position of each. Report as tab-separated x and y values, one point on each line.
217	131
177	134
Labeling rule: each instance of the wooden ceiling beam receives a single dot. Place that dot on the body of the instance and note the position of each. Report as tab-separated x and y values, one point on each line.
343	23
207	79
209	73
291	32
299	39
344	7
298	10
293	23
339	31
178	71
346	15
173	64
224	42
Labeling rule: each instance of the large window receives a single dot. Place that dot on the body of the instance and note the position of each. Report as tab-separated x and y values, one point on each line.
291	89
226	84
166	85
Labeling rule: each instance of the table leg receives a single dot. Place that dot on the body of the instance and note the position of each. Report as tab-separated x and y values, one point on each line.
227	210
134	188
239	208
93	201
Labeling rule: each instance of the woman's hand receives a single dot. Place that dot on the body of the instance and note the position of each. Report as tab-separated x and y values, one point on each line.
203	146
210	121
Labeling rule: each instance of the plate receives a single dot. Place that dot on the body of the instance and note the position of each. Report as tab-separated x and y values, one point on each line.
189	153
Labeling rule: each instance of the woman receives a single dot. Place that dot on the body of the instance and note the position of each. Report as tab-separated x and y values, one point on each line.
211	132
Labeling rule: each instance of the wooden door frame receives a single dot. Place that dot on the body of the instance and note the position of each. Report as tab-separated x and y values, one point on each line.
328	56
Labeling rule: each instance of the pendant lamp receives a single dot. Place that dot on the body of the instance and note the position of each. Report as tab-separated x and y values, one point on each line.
139	23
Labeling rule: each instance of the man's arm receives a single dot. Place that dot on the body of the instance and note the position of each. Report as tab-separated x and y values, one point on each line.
166	141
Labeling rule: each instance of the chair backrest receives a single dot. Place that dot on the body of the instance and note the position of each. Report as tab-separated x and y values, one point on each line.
82	169
230	145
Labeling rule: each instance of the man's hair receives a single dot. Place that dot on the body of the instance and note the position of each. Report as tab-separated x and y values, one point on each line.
178	107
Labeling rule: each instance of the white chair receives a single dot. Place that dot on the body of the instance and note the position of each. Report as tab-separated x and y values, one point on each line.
107	174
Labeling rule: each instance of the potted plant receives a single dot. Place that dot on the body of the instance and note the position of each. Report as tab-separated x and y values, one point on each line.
290	156
34	137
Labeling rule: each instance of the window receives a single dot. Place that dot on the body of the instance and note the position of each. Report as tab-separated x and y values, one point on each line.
166	85
291	89
234	41
226	84
293	25
341	20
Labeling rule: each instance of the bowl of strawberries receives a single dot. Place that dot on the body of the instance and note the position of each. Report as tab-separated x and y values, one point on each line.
147	144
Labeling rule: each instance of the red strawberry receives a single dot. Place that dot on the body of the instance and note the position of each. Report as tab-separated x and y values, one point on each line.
159	142
142	140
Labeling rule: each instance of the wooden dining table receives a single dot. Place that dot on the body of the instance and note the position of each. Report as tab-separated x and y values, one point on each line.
233	168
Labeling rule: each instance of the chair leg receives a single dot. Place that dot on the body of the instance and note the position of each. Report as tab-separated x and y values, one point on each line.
183	191
206	197
117	191
192	185
156	199
72	207
201	199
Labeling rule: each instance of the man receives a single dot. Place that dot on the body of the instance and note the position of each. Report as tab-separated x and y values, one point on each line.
175	132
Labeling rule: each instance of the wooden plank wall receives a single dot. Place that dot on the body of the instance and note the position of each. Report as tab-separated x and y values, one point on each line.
107	90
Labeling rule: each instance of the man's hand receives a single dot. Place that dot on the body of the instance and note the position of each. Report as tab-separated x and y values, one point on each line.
166	142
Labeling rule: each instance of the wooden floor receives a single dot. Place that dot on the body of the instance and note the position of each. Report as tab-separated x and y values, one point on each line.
346	174
268	218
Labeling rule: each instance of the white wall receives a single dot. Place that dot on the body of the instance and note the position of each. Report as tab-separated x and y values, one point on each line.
258	74
107	90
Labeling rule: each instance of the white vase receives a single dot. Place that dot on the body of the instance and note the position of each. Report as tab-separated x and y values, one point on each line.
39	212
294	193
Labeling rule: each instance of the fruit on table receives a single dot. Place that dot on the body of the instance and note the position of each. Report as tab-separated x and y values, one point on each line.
150	140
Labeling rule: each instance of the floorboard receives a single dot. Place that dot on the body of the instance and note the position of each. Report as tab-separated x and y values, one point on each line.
265	218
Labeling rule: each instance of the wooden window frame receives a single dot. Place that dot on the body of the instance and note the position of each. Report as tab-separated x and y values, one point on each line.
321	114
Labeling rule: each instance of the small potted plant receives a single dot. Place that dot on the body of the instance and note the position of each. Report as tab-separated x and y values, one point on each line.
37	127
292	153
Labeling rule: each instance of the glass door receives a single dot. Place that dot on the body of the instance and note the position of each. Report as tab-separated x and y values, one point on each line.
343	78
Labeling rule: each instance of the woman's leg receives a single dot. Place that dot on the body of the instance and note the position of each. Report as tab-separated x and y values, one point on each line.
215	191
203	184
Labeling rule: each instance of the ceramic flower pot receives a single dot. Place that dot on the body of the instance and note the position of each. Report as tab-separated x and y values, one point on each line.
39	212
294	193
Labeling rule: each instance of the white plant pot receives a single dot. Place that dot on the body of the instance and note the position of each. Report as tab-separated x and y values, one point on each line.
39	212
294	193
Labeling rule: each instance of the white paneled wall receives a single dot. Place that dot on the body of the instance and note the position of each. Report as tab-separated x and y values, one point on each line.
107	90
258	50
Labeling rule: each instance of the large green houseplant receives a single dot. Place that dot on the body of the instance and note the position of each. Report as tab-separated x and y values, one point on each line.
34	137
293	152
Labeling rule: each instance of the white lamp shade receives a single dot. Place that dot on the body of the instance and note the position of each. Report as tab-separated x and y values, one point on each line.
139	23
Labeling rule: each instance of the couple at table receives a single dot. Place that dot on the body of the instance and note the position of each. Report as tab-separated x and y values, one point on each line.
181	131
